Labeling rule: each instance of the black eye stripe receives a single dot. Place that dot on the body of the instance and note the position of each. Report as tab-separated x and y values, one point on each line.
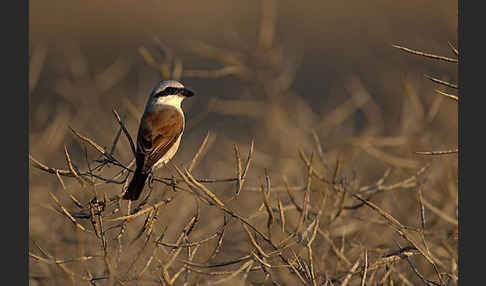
170	91
175	90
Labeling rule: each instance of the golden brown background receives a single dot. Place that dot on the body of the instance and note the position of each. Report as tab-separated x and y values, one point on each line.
272	71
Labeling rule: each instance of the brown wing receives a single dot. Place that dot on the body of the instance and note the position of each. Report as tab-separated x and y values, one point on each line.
158	131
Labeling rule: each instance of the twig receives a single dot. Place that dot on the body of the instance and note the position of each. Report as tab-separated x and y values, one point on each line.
454	50
397	227
238	169
427	55
363	278
71	168
132	146
92	143
440	213
451	96
253	241
139	213
266	201
192	244
247	265
444	152
451	85
195	159
220	264
305	206
67	214
220	240
338	253
350	273
60	261
247	166
189	179
282	216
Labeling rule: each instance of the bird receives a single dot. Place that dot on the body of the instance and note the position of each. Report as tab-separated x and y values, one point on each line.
159	133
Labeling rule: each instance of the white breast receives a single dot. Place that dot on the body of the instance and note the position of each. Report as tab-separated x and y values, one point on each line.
171	101
170	153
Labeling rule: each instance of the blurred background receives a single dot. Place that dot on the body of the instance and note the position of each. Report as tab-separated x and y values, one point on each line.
286	74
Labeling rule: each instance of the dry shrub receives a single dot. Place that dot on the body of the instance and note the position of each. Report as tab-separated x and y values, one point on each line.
283	191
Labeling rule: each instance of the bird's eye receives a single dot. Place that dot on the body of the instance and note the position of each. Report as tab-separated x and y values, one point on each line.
170	90
164	92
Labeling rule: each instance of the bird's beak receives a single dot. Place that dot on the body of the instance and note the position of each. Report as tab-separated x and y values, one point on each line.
187	92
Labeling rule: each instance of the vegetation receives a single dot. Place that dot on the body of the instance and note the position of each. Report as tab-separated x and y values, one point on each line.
290	194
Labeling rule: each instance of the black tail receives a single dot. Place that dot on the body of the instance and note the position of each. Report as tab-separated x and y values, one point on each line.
136	186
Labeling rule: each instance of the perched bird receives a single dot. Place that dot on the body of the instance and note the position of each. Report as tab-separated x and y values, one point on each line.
159	133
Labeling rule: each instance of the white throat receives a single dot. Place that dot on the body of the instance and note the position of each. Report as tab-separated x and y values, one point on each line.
174	100
169	100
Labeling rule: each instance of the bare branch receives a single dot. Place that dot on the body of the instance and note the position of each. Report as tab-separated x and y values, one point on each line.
448	84
427	55
132	146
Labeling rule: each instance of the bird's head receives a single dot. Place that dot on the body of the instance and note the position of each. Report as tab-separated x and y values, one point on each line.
170	92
